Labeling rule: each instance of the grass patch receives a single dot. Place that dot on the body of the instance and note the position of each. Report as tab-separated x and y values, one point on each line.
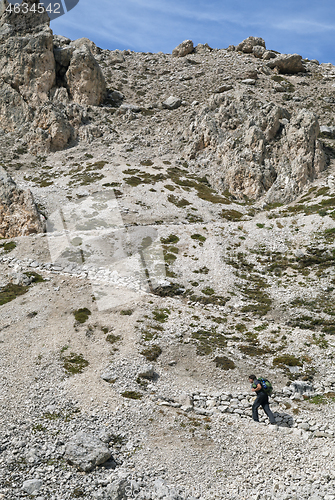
178	202
252	350
74	363
172	239
152	353
82	315
208	340
126	312
35	277
224	363
10	292
161	315
8	246
198	237
286	360
231	215
111	338
132	395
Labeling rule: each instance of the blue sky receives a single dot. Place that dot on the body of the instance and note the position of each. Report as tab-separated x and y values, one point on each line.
289	26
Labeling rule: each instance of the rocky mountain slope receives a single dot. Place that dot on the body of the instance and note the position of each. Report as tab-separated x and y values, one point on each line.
167	228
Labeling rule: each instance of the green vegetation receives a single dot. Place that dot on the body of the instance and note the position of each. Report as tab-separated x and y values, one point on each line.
132	395
161	315
146	163
231	215
198	237
8	246
35	277
208	340
172	239
82	315
152	353
188	181
286	360
111	338
252	350
10	292
179	202
74	363
126	312
224	363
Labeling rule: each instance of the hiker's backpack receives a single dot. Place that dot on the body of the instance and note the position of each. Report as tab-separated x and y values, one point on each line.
266	385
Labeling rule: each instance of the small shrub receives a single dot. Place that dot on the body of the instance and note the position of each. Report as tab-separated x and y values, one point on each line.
161	315
126	312
287	360
10	292
172	239
224	363
35	277
152	353
74	363
8	246
198	237
131	395
111	338
82	315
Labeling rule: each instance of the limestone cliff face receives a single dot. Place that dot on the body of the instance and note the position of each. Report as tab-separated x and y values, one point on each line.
260	150
18	213
32	95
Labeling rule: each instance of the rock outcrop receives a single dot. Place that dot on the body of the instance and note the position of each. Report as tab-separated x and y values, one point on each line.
258	150
287	64
85	451
18	213
43	78
183	49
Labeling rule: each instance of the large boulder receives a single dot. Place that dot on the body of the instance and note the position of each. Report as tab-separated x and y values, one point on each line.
287	64
84	78
18	213
85	451
183	49
249	43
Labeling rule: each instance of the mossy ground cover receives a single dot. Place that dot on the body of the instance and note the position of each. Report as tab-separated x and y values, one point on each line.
10	292
74	363
82	315
207	341
152	353
200	185
8	246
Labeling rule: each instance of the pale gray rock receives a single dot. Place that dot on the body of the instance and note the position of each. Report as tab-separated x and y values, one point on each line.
84	79
258	51
172	102
249	43
183	49
116	57
85	451
18	213
31	486
261	151
327	131
287	64
146	371
223	88
248	81
269	54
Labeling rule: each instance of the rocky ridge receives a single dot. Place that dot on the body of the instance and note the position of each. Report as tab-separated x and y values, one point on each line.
223	157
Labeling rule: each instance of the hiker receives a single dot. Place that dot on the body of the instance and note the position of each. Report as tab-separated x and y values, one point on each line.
262	399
